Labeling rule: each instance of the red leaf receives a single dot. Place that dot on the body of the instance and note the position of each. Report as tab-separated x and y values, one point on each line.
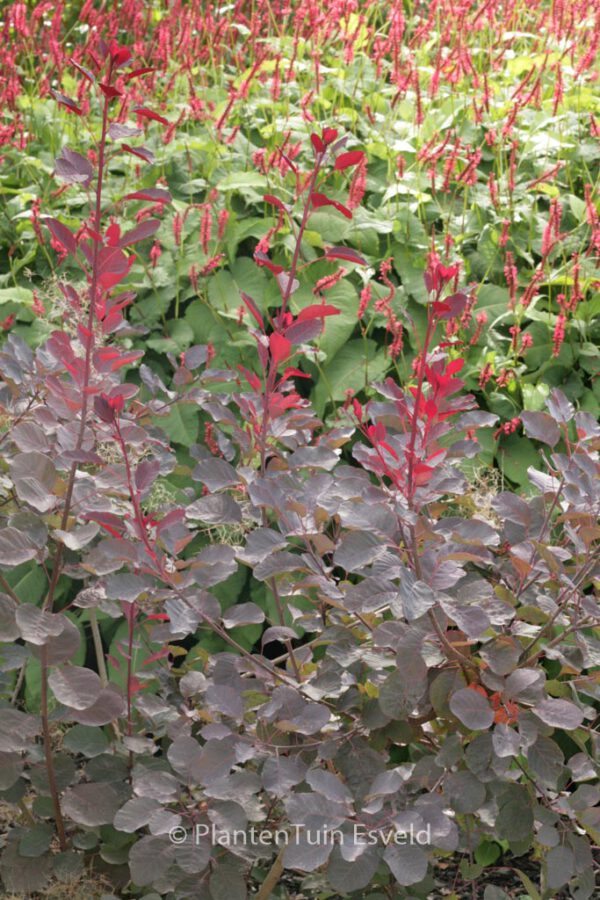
455	366
141	152
110	360
347	254
329	135
149	114
253	309
113	235
321	200
137	72
280	347
274	201
62	234
85	72
252	379
352	158
156	195
317	143
262	259
113	266
422	473
109	91
296	372
144	230
318	311
94	234
119	55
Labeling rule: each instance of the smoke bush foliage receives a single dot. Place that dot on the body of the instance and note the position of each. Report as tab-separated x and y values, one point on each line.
411	668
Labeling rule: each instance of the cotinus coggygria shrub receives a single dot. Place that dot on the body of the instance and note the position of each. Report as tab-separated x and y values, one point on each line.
401	683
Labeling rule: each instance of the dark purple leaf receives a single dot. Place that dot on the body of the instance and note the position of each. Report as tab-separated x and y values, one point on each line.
347	254
62	234
472	709
541	427
73	168
142	231
559	713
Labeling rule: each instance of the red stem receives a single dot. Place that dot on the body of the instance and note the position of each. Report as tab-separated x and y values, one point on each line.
272	370
410	453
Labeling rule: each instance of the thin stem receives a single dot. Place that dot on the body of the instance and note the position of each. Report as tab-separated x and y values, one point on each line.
58	816
270	882
271	376
98	648
410	453
58	558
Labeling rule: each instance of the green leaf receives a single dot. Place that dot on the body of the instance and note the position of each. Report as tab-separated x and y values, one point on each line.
19	295
182	424
535	396
28	581
86	740
353	368
487	853
494	300
180	337
338	329
36	840
514	456
251	185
